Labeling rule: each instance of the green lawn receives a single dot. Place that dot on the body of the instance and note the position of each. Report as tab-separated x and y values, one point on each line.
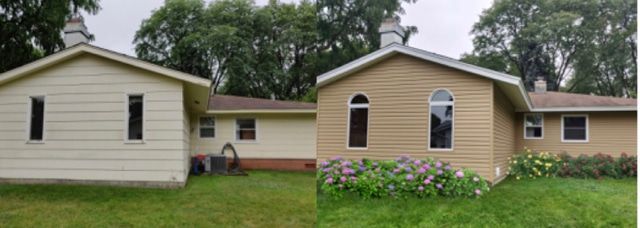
262	199
526	203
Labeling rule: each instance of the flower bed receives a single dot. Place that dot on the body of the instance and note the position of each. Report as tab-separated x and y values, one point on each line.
398	178
532	164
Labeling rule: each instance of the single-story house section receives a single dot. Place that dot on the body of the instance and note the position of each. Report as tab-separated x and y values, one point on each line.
90	115
401	100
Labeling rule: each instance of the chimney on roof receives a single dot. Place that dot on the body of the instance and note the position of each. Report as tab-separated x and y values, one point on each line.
75	31
390	32
540	85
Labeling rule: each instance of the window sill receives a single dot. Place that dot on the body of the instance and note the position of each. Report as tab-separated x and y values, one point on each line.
357	148
134	142
246	141
439	150
575	141
533	138
34	142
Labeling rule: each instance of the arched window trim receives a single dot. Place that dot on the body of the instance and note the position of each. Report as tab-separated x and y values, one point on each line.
453	118
363	106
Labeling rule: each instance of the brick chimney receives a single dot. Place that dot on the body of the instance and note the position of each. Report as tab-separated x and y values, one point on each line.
390	32
540	85
75	31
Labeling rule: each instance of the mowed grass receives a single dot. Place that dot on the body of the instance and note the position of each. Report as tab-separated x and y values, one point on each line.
525	203
262	199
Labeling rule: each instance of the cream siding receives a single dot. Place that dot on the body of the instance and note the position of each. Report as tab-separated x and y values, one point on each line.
609	132
85	122
399	88
279	136
503	133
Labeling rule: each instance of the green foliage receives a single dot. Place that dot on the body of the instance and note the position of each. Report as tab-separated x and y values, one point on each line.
530	164
588	45
399	179
31	29
598	166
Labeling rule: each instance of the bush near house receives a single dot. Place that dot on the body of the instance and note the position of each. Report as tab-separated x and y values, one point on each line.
532	164
398	178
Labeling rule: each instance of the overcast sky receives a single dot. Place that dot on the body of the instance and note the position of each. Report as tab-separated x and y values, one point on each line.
443	25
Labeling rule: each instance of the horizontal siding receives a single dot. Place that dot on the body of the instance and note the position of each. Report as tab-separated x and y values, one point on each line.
503	133
399	88
280	136
85	121
609	133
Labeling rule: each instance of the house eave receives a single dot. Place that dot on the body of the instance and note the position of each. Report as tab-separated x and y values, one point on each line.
584	109
264	111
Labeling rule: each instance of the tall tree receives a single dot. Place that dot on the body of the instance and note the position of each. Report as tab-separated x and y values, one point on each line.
560	40
348	29
31	29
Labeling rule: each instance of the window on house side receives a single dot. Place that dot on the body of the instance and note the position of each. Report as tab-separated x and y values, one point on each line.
135	117
358	121
246	129
575	128
36	130
207	127
533	125
441	120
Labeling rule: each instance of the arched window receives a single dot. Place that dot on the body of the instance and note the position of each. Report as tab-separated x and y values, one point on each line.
358	121
441	120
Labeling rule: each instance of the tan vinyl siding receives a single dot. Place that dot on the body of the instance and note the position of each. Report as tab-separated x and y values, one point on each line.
399	88
279	136
609	133
503	133
85	122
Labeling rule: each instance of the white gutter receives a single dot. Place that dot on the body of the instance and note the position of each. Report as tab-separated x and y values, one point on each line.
586	109
249	111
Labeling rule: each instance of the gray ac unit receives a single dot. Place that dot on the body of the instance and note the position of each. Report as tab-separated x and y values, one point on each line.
216	164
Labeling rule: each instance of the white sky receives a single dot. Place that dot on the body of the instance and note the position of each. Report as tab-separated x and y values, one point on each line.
443	25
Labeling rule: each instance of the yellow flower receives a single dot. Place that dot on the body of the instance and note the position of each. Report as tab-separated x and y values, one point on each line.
515	162
517	177
529	156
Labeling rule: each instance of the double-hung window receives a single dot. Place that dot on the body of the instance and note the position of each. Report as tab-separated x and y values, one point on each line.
575	128
36	119
246	129
533	125
207	127
135	117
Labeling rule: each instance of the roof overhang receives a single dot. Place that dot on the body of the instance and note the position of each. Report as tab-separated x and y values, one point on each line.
585	109
263	111
512	85
83	48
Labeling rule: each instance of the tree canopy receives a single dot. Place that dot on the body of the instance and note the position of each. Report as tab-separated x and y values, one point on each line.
576	45
31	29
272	51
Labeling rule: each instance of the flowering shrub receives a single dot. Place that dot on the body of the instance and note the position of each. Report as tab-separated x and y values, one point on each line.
398	178
530	164
598	166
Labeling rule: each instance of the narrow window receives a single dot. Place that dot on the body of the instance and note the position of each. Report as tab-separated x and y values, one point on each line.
36	130
136	119
207	127
245	129
575	128
533	125
441	120
358	121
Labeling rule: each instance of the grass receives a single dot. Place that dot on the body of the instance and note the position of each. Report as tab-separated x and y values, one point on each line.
263	199
525	203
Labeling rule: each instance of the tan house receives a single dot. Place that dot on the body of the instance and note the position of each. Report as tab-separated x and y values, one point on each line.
90	115
401	100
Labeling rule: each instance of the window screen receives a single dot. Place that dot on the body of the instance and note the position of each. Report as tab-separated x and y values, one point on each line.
358	121
574	128
207	127
36	130
533	125
246	129
135	120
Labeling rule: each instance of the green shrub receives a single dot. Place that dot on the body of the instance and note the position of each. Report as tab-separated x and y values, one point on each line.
530	164
399	178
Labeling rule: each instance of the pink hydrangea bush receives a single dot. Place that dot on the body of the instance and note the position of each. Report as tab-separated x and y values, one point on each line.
398	178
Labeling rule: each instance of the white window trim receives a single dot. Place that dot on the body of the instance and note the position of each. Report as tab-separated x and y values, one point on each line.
586	116
207	127
126	119
358	106
453	120
524	123
44	120
235	131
